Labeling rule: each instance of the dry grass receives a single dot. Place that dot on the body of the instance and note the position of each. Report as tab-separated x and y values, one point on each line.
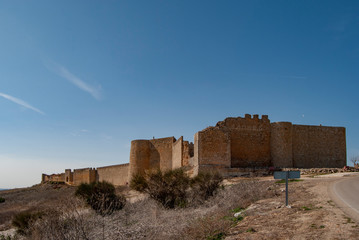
38	197
146	219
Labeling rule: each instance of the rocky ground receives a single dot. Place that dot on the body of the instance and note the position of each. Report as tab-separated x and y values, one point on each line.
312	214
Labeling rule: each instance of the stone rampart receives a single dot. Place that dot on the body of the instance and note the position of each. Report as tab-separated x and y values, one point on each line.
318	147
116	174
282	144
232	147
84	175
250	140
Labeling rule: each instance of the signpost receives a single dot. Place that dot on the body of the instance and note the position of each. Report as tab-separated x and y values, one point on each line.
286	175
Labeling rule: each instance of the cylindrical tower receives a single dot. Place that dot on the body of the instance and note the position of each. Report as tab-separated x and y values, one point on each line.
139	156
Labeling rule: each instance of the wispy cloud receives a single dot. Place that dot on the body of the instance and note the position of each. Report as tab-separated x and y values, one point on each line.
21	102
65	73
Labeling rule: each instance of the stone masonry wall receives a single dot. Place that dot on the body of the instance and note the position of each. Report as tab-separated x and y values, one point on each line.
281	144
177	150
318	146
60	177
151	154
116	174
85	175
161	150
250	140
213	148
140	157
187	153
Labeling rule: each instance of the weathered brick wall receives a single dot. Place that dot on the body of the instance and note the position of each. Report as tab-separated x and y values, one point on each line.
281	144
250	140
85	175
116	174
318	146
177	156
212	148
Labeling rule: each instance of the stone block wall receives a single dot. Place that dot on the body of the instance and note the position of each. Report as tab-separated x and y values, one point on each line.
318	147
53	178
187	153
282	144
161	150
177	153
151	154
116	174
85	175
250	140
212	148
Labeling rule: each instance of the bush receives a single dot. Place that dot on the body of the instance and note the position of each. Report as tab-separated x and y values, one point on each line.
101	197
23	220
168	188
2	199
206	184
7	237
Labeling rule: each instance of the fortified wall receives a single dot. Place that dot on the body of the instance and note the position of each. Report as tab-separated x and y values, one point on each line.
231	146
116	174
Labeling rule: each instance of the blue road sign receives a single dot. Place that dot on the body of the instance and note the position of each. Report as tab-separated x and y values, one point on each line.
283	174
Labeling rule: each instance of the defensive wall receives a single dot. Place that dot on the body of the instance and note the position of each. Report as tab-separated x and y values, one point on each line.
233	145
117	174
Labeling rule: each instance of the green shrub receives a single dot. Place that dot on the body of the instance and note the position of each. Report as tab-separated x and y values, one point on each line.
206	184
2	199
7	237
218	236
23	220
101	197
168	188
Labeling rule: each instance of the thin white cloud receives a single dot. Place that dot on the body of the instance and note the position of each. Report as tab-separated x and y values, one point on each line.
21	102
63	72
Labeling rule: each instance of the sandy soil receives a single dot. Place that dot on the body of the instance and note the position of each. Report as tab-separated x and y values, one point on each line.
313	215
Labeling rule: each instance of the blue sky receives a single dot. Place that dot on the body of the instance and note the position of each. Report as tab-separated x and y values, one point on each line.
80	79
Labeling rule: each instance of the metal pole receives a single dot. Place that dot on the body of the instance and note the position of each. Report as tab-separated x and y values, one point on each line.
286	188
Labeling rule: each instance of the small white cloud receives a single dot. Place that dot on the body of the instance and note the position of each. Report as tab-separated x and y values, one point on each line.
303	115
63	72
21	102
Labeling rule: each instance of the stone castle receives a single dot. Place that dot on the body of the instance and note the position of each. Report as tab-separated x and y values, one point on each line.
230	147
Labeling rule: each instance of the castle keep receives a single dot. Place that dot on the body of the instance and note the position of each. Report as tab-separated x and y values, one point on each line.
229	147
